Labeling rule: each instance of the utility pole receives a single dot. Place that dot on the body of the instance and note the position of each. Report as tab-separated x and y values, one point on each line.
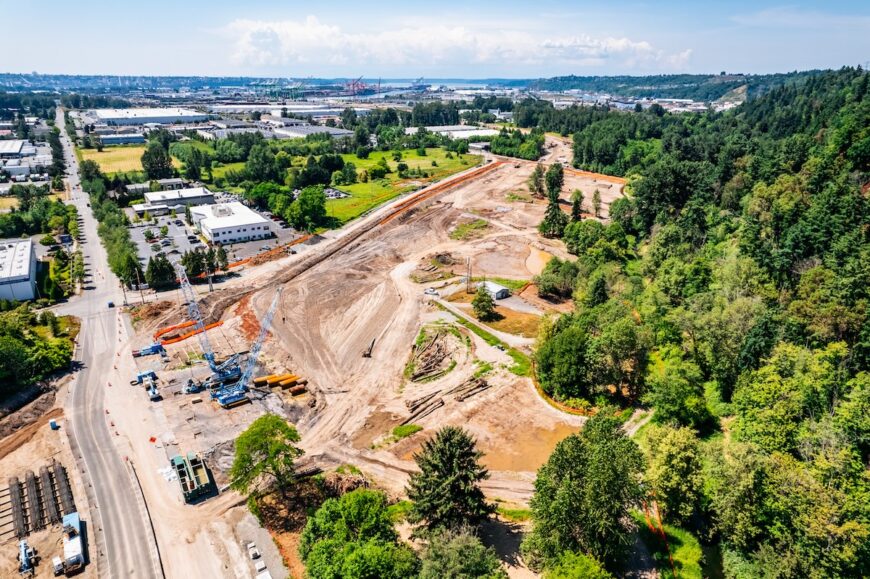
139	285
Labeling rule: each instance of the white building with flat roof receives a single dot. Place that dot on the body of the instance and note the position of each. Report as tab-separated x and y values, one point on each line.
230	223
12	149
17	270
171	197
144	116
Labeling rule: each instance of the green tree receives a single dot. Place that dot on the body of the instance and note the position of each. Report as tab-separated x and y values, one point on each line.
555	220
554	179
260	165
677	394
536	181
221	258
156	161
596	203
265	450
483	304
446	491
159	274
308	211
674	471
353	536
583	494
576	566
576	206
459	554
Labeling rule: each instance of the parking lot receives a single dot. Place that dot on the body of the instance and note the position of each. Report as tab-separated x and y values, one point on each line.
177	240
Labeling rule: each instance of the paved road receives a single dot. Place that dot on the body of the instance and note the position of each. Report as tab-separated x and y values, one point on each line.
119	530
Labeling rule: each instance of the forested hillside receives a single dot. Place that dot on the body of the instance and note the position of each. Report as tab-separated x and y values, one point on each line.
702	87
730	293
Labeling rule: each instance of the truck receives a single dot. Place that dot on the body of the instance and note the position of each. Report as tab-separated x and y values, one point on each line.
73	550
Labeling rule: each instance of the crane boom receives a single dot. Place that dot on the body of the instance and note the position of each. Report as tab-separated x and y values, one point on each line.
235	393
195	315
229	369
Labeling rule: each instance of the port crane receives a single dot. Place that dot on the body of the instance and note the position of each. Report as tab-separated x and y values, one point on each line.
235	393
224	372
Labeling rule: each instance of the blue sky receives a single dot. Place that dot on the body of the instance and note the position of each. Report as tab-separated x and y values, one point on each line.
438	38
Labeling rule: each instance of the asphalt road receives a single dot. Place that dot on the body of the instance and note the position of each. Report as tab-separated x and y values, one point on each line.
119	529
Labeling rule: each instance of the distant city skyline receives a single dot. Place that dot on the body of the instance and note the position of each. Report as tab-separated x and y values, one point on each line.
447	39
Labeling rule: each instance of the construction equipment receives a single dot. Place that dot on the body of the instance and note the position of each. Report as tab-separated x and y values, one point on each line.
155	348
149	379
26	559
228	370
192	476
236	393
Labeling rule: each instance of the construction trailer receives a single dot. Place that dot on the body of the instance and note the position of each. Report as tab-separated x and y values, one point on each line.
192	476
73	548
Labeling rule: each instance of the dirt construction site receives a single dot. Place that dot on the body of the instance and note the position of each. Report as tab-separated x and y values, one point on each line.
374	321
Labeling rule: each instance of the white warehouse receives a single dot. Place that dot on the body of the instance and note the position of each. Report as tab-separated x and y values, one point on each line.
17	270
230	223
144	116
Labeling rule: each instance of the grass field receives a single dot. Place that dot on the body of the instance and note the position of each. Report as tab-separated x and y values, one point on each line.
218	172
120	159
11	202
365	196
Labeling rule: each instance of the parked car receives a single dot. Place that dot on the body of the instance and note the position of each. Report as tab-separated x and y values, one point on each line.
111	304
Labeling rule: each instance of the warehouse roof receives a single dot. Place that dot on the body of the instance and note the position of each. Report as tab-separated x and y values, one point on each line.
146	113
305	130
15	259
153	197
232	214
12	147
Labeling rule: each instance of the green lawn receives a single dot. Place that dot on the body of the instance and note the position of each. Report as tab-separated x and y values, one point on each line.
219	172
118	159
365	196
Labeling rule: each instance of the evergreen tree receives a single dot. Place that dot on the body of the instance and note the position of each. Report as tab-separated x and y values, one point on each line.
554	222
596	203
159	273
584	492
221	256
156	161
446	492
536	181
576	205
554	179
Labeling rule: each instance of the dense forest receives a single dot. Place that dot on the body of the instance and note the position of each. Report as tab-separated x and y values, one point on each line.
701	87
730	293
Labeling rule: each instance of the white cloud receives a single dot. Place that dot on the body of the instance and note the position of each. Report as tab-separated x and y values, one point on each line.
311	43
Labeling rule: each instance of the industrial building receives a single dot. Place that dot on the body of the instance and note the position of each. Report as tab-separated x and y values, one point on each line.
14	149
17	270
164	184
456	131
163	202
230	223
122	139
145	116
302	131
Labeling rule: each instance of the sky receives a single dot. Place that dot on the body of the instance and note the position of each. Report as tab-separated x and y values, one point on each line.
433	39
